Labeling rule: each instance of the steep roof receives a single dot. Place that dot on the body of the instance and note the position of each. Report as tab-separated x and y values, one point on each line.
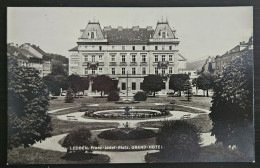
14	51
128	35
37	48
74	49
184	59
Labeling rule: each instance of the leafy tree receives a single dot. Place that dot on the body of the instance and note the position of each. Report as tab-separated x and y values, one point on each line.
232	105
205	82
177	82
28	102
81	138
153	83
179	140
54	83
194	83
58	69
69	97
103	84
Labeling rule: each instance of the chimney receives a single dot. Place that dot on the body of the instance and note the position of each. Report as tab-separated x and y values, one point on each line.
136	28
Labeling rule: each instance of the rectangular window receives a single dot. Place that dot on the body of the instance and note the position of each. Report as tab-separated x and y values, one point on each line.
156	70
123	47
156	58
123	86
143	70
170	70
100	57
170	47
163	58
156	47
133	71
123	58
86	58
170	57
133	58
133	86
123	71
163	71
113	59
100	70
163	47
141	85
93	47
93	58
143	58
93	71
113	71
133	47
143	47
86	70
100	47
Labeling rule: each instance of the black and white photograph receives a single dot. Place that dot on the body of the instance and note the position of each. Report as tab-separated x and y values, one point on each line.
91	85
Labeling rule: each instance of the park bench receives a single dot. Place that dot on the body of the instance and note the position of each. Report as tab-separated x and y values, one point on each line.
186	116
71	118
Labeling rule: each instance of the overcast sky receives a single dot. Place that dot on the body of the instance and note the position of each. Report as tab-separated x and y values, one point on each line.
202	32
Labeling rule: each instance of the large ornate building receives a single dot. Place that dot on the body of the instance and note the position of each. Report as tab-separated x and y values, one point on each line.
135	51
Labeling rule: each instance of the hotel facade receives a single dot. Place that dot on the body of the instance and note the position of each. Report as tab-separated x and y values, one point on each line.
127	54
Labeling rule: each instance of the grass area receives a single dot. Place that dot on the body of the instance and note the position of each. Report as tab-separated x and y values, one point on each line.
39	156
61	126
202	122
211	153
186	109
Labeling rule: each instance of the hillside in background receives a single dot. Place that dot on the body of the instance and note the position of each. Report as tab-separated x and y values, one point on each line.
195	65
57	58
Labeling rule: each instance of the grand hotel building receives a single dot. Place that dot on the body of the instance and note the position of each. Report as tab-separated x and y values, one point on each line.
135	51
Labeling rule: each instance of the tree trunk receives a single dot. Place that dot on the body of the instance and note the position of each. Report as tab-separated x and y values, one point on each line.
180	93
153	94
207	93
101	93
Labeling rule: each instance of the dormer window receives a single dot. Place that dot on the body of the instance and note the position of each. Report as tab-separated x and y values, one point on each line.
92	35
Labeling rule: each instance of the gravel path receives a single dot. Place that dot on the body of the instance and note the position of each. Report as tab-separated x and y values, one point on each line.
196	108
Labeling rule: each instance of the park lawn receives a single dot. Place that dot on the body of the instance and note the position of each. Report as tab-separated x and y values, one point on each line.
202	122
61	126
211	153
40	156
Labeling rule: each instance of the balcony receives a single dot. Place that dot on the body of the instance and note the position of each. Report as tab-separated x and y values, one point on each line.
112	64
91	65
123	64
133	63
143	64
163	64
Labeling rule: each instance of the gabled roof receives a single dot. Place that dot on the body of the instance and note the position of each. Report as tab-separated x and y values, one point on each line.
14	51
93	26
128	35
74	49
37	48
163	26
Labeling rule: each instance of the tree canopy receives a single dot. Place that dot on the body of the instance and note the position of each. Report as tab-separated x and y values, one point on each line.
205	82
28	103
153	83
177	82
232	104
78	83
103	84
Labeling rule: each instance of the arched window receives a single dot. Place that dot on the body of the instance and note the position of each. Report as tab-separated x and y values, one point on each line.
92	35
163	35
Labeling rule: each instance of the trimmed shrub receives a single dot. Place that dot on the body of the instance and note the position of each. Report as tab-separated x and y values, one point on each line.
113	96
140	96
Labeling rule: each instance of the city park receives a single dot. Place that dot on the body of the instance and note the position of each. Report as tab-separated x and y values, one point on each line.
107	128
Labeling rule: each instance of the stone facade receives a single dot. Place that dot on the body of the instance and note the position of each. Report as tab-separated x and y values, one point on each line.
135	51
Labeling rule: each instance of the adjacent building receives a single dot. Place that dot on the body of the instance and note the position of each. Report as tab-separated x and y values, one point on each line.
30	56
222	61
119	51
